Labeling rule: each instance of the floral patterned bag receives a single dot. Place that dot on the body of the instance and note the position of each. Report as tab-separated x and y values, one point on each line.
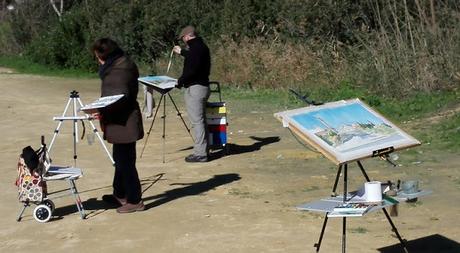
31	186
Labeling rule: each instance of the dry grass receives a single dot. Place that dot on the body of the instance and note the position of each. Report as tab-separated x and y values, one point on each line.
261	64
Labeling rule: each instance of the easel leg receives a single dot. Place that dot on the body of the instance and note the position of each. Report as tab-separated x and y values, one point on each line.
394	229
164	128
180	115
334	188
163	99
336	181
318	244
344	219
151	125
75	130
344	234
345	182
56	131
363	171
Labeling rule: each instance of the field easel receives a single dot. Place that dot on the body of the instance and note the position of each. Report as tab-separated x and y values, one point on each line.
344	167
333	129
163	93
75	102
163	98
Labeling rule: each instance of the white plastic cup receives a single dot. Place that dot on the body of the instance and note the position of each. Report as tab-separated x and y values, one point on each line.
373	191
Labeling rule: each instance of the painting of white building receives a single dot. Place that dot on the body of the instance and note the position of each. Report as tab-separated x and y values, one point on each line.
346	130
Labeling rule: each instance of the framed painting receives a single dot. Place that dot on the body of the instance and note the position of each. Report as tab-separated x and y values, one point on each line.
346	131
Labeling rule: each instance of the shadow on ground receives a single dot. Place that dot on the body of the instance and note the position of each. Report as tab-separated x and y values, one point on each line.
235	149
94	206
430	244
190	189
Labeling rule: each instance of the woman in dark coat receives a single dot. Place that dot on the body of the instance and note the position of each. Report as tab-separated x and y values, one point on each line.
121	122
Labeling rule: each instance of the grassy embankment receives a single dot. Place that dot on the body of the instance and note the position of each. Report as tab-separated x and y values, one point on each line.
442	132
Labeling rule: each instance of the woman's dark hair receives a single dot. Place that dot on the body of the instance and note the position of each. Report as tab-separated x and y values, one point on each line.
104	48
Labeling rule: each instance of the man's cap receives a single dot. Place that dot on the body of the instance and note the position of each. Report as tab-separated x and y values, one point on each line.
187	30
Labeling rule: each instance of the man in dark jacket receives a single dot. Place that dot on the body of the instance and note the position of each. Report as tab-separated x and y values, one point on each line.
121	122
195	80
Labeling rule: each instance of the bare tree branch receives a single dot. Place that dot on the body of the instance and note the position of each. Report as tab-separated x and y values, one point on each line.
433	16
59	13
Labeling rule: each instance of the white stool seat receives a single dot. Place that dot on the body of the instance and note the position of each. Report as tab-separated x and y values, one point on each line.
62	173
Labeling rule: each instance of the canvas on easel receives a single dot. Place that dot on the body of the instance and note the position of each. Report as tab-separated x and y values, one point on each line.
345	131
99	103
162	84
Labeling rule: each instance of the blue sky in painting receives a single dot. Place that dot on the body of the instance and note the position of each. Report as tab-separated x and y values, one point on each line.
337	116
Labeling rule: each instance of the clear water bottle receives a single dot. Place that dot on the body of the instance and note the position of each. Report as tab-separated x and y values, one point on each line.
90	138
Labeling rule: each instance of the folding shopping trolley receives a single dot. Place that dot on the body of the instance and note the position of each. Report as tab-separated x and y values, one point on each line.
32	182
216	118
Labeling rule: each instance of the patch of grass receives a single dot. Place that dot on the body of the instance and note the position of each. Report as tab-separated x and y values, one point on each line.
275	98
24	65
358	230
449	131
418	105
444	134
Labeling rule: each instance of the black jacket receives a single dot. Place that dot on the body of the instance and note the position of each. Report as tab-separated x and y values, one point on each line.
197	64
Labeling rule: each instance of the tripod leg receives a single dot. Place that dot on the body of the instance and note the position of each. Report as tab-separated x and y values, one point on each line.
344	219
75	131
318	244
336	181
363	171
164	128
345	182
180	115
334	188
56	131
98	136
75	122
151	125
394	229
344	234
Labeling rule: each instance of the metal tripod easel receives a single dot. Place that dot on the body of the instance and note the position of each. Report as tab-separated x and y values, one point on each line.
163	97
344	167
163	93
75	102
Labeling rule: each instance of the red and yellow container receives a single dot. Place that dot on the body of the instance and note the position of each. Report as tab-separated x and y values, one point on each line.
216	119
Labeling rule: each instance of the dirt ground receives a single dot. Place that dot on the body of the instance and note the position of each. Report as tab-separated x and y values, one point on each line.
244	201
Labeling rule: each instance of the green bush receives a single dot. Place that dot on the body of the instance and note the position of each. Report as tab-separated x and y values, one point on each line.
335	49
8	46
64	45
